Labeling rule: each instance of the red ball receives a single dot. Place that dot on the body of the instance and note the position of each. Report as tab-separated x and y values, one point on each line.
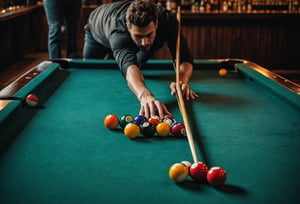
178	129
198	171
154	120
169	116
31	100
216	176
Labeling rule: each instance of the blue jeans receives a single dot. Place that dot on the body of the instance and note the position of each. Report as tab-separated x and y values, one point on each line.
59	12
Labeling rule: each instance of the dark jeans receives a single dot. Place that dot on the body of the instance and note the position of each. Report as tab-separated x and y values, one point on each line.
94	50
59	12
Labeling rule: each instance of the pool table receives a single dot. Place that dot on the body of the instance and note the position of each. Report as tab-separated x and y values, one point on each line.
60	151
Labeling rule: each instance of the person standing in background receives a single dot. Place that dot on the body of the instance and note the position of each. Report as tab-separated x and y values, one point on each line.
59	13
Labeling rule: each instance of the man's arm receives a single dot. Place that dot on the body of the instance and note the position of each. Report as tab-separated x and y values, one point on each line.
149	105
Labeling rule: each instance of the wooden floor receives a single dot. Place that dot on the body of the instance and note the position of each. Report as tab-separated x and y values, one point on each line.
11	73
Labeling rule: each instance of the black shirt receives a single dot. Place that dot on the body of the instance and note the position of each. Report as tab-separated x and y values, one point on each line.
107	24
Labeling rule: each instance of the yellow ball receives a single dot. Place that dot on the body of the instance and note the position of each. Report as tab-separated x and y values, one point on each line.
163	129
179	172
132	130
222	72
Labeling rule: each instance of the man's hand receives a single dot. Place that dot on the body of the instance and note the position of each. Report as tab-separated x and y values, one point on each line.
187	92
150	106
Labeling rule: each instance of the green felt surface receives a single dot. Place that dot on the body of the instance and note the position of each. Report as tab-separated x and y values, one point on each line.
66	155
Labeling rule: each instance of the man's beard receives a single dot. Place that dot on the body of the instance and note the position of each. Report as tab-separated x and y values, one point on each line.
143	48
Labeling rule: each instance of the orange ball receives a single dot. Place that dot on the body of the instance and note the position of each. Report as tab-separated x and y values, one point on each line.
179	172
111	121
132	130
163	129
222	72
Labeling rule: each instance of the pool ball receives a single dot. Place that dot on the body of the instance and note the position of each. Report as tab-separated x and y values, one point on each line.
178	129
186	163
222	72
140	119
132	130
169	117
198	171
178	172
31	100
163	129
168	120
154	120
147	129
111	121
216	176
125	119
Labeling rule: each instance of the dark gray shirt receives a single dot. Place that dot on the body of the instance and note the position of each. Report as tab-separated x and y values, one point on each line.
108	26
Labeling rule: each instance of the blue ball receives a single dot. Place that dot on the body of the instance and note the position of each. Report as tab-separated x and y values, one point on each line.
140	119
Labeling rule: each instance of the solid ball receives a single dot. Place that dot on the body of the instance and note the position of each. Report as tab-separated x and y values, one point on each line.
222	72
132	130
178	172
125	119
140	119
31	100
163	129
178	129
154	120
147	129
216	176
111	121
198	171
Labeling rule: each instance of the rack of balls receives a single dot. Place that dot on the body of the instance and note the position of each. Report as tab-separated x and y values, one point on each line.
134	127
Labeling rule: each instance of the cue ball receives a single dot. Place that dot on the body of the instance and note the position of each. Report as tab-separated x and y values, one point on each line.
178	172
132	130
216	176
31	100
147	129
125	119
222	72
186	163
163	129
111	121
178	129
198	171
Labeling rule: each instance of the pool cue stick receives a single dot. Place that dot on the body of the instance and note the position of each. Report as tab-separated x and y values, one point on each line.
179	93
